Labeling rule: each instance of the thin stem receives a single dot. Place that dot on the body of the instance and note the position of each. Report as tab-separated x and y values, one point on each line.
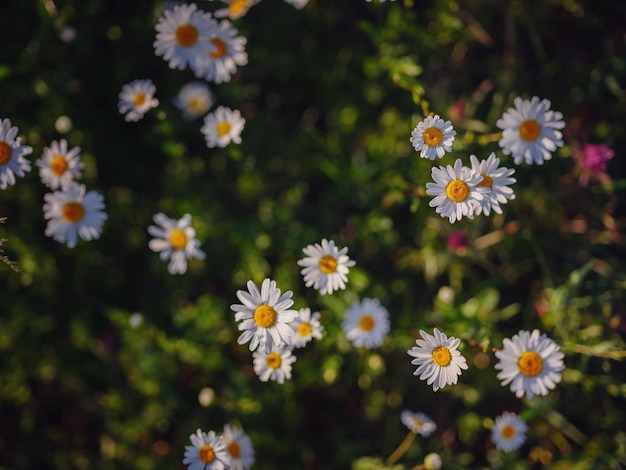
402	448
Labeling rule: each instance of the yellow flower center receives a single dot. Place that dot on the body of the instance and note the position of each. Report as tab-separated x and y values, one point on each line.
178	239
195	105
206	454
273	360
457	190
73	212
220	46
432	136
418	422
508	431
5	152
487	182
304	329
530	363
328	264
186	35
529	130
222	128
58	165
442	356
139	99
264	316
234	450
366	323
237	6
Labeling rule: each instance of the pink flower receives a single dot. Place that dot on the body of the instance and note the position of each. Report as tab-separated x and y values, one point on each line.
595	157
458	241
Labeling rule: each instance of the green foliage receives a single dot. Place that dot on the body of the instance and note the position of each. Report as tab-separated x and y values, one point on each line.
107	361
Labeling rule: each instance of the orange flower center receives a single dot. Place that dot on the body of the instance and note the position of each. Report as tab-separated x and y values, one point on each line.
442	356
237	6
220	46
178	239
457	190
273	360
328	264
222	128
139	99
304	329
432	136
73	212
58	165
5	152
206	454
529	130
487	182
366	323
508	431
264	316
530	363
186	35
234	450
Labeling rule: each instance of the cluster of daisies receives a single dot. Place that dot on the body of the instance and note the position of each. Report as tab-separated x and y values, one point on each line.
71	211
208	450
530	133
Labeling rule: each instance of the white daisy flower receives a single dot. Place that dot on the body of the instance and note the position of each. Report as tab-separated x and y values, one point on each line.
530	131
235	9
433	137
239	448
183	35
325	267
194	100
59	167
306	326
175	240
456	191
531	363
299	4
509	432
71	212
274	365
264	316
432	461
366	323
12	161
438	358
206	452
223	126
229	51
136	98
497	180
419	423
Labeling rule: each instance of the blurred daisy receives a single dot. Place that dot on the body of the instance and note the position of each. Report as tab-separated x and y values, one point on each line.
71	213
264	316
12	161
438	358
175	240
194	100
433	137
456	191
235	9
306	326
432	461
229	52
419	423
59	167
136	98
531	363
366	323
298	3
183	35
206	452
530	131
239	448
509	432
274	365
497	180
325	267
223	126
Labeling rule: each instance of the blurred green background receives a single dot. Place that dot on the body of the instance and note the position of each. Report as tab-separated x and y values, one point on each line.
107	361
